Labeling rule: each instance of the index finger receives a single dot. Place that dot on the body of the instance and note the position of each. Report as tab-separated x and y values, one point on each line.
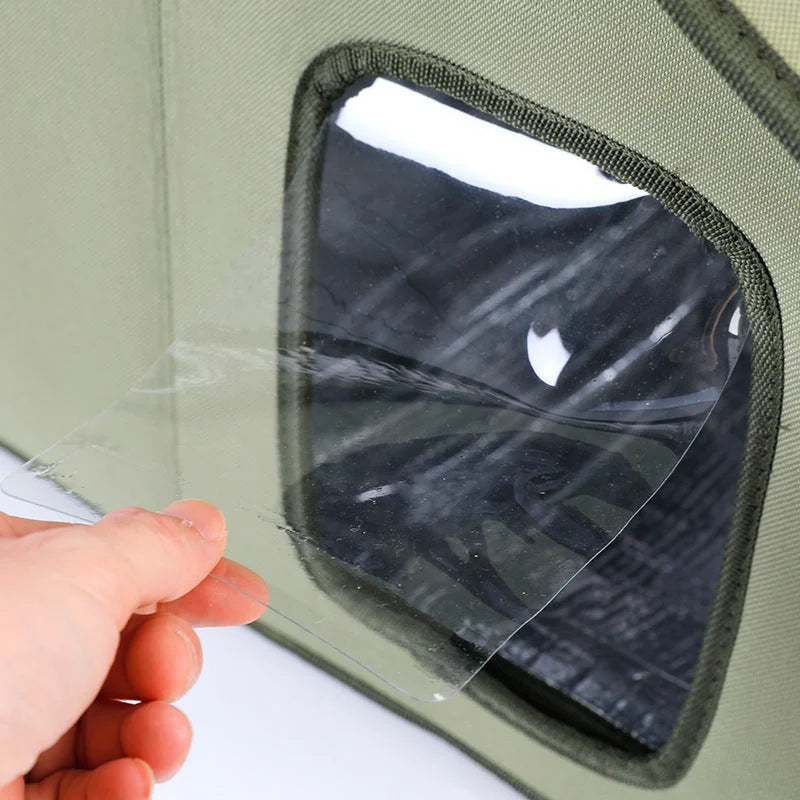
230	595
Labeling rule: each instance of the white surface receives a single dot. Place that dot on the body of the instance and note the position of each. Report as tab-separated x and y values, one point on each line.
269	725
405	122
9	505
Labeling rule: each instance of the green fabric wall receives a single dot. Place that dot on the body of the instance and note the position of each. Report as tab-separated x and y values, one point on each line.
115	223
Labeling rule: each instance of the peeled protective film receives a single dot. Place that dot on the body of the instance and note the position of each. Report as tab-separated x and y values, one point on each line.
460	366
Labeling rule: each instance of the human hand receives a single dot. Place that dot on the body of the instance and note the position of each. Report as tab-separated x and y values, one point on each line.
94	615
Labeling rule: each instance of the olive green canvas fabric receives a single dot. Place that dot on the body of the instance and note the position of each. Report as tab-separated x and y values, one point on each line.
84	305
146	160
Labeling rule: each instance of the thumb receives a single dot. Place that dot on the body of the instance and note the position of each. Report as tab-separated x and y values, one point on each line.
65	595
134	558
130	558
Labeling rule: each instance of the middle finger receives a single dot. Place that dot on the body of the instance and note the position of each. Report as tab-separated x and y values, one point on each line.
159	658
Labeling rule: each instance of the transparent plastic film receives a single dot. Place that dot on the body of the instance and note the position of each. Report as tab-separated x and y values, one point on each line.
442	385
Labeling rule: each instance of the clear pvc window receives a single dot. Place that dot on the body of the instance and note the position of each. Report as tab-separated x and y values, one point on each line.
477	358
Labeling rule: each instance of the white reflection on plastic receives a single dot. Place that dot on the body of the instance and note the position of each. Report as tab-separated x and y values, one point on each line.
421	426
547	355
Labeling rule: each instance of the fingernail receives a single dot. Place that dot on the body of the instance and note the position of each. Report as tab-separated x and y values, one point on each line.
205	518
148	779
192	651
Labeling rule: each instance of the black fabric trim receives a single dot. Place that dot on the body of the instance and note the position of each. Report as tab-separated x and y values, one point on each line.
322	84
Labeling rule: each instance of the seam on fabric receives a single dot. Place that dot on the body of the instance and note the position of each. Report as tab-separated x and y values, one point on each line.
322	83
165	228
751	67
760	48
